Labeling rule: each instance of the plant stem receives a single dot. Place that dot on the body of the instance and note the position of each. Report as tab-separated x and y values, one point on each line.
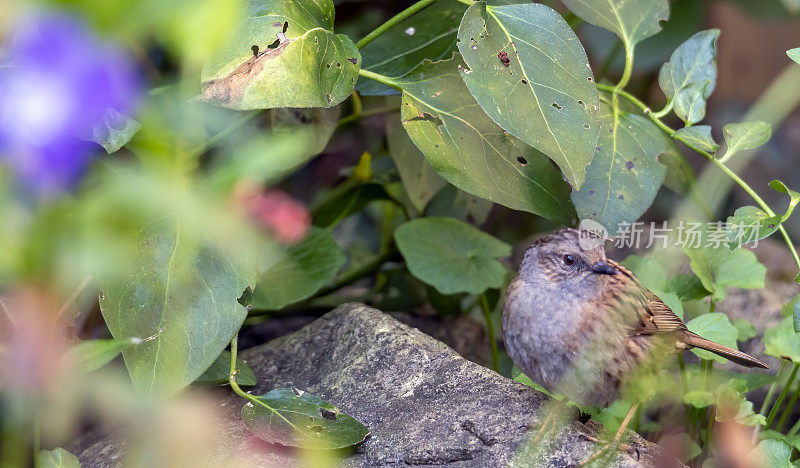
667	108
788	408
392	21
356	274
487	314
626	73
771	391
383	79
367	113
634	100
774	411
712	414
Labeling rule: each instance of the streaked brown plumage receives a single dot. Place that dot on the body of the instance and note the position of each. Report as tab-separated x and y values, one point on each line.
580	324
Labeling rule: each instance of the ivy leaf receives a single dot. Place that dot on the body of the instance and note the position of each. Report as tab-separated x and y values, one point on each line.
115	131
58	458
699	398
529	73
716	327
794	54
632	20
91	355
420	179
284	54
750	224
181	293
782	341
744	136
794	197
688	78
720	267
452	256
220	370
471	152
745	330
292	417
625	175
300	272
771	453
698	136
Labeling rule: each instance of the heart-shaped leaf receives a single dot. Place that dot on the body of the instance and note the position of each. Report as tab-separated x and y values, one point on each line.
782	341
750	224
220	370
58	458
715	327
631	20
688	78
528	71
419	178
452	256
471	151
284	54
794	54
697	136
300	272
745	329
625	175
91	355
718	267
292	417
699	398
744	136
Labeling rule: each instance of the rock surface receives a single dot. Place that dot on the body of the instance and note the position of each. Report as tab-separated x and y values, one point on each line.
424	404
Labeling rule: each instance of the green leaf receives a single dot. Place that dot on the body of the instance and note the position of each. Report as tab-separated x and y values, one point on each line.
115	131
794	197
180	294
471	152
349	197
91	355
631	20
794	54
771	453
688	287
452	256
698	136
716	327
732	406
699	398
625	175
782	341
688	78
454	203
528	71
220	370
297	60
750	224
745	330
720	267
58	458
744	136
648	271
420	179
295	418
680	176
300	272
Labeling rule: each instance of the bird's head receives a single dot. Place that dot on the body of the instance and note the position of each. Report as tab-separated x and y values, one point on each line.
566	256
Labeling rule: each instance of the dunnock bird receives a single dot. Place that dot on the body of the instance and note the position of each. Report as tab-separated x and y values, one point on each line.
580	324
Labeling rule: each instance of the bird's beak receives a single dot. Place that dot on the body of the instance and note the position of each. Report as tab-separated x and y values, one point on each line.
603	268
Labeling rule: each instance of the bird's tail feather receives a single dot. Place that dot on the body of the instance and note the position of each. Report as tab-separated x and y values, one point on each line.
743	359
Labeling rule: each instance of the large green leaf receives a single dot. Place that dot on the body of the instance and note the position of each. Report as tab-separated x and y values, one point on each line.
771	453
419	178
782	341
220	370
180	296
631	20
528	71
688	78
300	272
452	256
718	267
715	327
471	152
284	54
292	417
58	458
744	136
699	136
625	175
749	224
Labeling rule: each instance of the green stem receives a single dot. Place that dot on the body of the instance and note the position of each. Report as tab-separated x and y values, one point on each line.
487	314
788	409
667	108
383	79
774	411
635	101
771	391
626	73
367	113
392	21
712	414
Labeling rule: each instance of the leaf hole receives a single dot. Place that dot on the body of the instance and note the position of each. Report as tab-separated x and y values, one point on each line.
556	106
338	64
327	414
589	79
330	99
285	26
524	81
274	44
586	126
328	65
581	103
522	161
254	48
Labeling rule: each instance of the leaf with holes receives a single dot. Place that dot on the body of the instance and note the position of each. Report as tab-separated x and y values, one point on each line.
284	54
529	73
292	417
300	272
220	370
718	267
631	20
689	77
420	179
744	136
180	295
625	175
452	256
749	224
716	327
471	152
698	136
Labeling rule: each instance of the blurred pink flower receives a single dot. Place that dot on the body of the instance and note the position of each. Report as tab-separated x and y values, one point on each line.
275	211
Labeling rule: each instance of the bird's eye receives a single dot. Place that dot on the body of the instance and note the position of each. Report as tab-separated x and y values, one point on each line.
568	260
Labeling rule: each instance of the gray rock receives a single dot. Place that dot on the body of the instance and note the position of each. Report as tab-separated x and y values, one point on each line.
424	404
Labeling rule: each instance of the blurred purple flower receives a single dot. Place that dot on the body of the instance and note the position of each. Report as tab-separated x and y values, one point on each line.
57	84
